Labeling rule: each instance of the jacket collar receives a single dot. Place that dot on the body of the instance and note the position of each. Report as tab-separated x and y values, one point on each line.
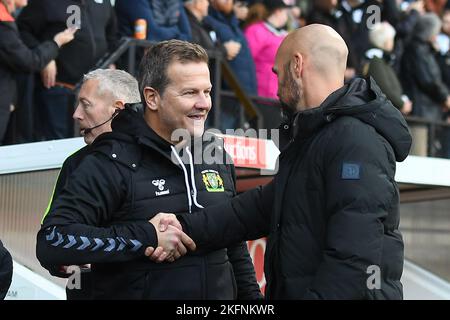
361	99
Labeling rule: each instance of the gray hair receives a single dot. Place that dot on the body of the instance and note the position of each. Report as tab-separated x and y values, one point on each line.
118	83
380	33
427	26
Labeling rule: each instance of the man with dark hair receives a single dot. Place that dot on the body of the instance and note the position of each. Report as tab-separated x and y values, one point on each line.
102	215
6	271
331	214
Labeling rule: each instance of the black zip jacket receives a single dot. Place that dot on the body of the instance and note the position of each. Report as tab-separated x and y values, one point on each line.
42	19
101	217
331	213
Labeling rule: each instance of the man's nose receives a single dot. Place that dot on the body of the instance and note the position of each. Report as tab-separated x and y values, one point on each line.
203	102
77	114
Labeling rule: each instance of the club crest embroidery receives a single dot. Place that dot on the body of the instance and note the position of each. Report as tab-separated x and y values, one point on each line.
212	180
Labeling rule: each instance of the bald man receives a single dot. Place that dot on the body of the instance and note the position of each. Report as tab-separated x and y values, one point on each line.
331	213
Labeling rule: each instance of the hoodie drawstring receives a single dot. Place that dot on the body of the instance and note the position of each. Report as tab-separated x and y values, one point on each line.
186	179
191	163
188	189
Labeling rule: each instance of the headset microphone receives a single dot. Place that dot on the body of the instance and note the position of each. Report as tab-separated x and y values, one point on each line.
88	130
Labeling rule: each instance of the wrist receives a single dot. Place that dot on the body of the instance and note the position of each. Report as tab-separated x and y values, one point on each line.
58	43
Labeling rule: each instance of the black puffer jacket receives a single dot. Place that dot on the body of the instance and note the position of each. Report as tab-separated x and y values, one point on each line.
6	271
101	217
332	212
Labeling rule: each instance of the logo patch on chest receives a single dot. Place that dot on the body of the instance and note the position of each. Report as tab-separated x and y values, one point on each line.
212	180
160	184
351	171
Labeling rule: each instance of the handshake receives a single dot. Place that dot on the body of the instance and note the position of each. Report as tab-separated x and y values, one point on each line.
173	243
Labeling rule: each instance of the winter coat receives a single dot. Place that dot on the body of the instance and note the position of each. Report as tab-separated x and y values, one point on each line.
16	57
130	11
331	214
263	41
422	79
42	19
101	217
384	75
227	28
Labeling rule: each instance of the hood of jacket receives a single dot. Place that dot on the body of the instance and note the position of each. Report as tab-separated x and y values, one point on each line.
361	99
130	124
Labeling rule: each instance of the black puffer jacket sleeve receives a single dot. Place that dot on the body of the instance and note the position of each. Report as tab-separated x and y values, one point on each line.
244	272
76	230
6	271
245	217
357	202
18	57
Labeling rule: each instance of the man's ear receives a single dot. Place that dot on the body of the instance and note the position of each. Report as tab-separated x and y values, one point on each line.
152	98
297	64
119	104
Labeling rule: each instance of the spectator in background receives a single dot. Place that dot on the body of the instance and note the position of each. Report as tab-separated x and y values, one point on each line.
256	12
16	57
443	40
326	12
203	34
354	16
6	271
224	22
407	19
422	80
381	37
40	21
421	76
435	6
240	9
264	38
444	63
166	19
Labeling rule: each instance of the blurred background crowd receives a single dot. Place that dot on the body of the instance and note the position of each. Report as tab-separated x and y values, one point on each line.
403	45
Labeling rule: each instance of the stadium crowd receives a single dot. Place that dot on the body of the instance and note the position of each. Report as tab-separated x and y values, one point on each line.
403	45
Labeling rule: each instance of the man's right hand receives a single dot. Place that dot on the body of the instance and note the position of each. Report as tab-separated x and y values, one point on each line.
232	48
48	75
65	36
406	108
172	241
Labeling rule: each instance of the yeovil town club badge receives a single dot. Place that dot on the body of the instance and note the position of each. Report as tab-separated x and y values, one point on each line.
212	180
